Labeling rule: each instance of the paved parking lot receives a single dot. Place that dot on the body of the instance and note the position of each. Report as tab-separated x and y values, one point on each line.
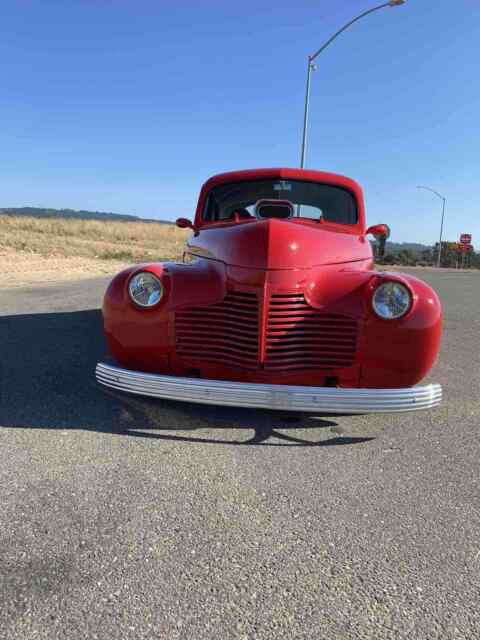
124	519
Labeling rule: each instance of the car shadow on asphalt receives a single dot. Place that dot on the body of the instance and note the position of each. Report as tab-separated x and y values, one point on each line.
47	363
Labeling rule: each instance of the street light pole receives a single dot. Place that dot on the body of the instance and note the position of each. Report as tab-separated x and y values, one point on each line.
311	67
441	224
441	233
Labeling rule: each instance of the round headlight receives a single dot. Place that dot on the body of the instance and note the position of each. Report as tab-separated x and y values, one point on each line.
145	289
391	300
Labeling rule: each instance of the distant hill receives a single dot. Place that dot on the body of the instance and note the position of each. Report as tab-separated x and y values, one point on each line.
40	212
393	248
396	247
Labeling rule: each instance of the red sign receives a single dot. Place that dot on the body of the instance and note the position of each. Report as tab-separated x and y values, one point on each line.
466	238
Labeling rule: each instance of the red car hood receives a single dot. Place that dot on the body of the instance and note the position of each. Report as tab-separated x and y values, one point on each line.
279	244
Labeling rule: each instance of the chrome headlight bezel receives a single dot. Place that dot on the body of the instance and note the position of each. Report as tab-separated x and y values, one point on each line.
397	299
146	281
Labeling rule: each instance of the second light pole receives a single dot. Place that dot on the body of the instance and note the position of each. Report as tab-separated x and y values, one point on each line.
439	195
311	67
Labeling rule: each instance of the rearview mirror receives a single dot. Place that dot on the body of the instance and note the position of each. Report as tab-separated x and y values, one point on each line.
379	230
184	223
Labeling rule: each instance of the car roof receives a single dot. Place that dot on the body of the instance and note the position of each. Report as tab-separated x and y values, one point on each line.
310	175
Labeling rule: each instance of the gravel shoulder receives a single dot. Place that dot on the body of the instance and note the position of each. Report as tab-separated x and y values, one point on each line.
21	269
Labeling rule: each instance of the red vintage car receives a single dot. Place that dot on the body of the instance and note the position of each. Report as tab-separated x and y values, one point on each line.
276	305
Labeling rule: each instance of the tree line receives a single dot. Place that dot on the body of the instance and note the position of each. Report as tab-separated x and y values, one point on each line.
427	256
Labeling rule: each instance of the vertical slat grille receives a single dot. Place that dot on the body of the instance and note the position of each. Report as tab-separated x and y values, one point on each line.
301	337
225	333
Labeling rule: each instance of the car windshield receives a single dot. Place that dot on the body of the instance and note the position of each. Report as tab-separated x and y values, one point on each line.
310	199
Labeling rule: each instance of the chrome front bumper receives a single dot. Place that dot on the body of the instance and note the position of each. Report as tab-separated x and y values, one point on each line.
270	396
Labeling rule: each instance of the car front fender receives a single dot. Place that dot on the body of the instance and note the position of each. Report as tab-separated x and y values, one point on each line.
400	352
144	338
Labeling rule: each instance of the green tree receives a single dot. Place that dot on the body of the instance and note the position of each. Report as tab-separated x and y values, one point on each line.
389	259
407	257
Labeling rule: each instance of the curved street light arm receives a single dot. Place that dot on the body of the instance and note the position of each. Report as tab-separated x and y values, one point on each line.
432	190
345	27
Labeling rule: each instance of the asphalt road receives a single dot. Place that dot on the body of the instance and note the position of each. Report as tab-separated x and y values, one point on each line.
125	520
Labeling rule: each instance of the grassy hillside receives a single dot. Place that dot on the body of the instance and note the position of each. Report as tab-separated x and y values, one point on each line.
112	240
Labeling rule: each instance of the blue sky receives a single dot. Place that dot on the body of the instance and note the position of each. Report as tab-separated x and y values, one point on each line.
126	106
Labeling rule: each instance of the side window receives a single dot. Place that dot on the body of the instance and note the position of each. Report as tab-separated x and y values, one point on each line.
207	209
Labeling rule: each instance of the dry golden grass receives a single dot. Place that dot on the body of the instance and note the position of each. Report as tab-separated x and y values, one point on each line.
46	251
121	241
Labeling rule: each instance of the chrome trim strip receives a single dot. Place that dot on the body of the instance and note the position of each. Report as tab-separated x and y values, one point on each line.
270	396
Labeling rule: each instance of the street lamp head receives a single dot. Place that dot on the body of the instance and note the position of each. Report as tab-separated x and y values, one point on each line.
396	3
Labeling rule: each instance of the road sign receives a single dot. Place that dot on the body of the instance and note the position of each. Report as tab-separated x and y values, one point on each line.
450	246
466	238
